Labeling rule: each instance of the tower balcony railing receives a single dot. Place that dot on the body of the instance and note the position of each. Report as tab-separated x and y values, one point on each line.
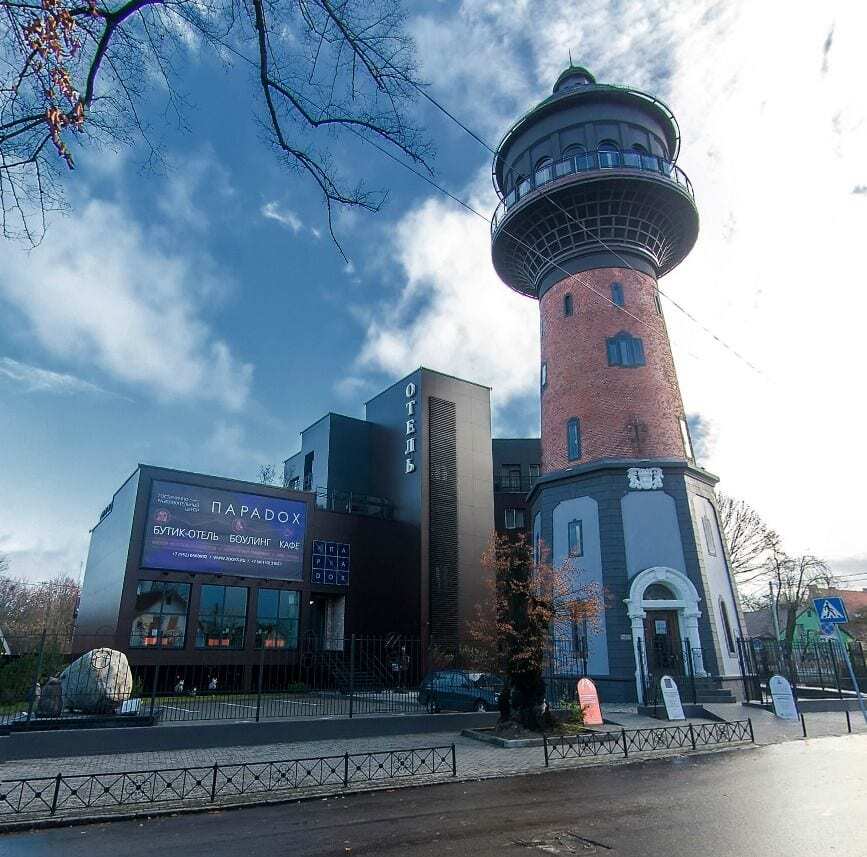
585	162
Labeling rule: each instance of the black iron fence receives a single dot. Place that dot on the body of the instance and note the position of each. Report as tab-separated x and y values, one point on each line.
344	677
687	737
815	668
71	793
682	663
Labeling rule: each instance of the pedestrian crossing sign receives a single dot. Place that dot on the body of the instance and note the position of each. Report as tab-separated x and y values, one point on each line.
831	610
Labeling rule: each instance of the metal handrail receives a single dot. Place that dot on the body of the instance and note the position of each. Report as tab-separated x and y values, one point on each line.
599	160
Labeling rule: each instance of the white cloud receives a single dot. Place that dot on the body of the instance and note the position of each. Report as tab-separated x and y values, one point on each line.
774	133
36	380
101	291
453	313
284	216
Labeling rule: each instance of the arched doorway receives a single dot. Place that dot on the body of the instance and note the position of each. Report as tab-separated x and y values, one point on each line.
663	609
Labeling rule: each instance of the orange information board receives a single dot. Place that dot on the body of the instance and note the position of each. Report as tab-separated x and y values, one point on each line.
588	699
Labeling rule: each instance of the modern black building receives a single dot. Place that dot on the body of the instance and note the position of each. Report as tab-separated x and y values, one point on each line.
379	532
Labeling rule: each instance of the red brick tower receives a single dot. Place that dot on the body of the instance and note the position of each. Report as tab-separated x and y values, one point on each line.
593	211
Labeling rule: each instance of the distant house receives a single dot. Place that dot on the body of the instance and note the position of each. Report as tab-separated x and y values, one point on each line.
760	623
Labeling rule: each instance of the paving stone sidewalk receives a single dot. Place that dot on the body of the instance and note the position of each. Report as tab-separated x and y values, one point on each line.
474	758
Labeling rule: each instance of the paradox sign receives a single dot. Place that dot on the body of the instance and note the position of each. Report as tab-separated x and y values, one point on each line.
331	563
194	528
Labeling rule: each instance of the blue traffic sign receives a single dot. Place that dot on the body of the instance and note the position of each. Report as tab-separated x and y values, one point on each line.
831	609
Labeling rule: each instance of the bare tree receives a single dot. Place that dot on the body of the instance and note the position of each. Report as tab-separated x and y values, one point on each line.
746	535
267	474
76	73
27	607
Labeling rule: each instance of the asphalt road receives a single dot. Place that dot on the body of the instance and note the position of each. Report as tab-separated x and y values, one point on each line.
802	797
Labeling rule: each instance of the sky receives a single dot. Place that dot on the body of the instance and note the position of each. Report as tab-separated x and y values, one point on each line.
198	316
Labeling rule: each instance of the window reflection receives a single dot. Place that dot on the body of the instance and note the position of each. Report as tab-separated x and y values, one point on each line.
277	613
160	619
222	620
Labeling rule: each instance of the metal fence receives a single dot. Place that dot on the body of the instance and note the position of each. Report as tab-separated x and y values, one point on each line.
626	741
70	793
815	668
318	678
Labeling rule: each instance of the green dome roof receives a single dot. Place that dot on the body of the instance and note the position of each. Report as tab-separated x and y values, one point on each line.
574	70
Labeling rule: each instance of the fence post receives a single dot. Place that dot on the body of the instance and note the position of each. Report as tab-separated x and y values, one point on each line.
37	672
346	770
625	748
455	762
259	682
214	784
752	735
154	687
803	724
545	745
56	793
848	721
834	665
691	673
351	674
692	736
740	645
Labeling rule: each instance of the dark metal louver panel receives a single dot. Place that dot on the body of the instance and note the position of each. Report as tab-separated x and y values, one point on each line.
443	555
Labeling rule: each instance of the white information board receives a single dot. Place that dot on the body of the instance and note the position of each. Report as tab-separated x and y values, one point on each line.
781	694
671	698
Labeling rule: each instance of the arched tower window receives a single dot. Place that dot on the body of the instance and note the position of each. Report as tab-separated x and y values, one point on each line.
544	173
625	350
617	294
567	305
727	627
608	154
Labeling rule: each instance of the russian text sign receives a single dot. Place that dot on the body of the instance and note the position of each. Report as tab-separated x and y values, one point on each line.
194	528
588	699
784	701
671	698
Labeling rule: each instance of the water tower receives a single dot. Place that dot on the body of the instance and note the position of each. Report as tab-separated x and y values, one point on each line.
594	210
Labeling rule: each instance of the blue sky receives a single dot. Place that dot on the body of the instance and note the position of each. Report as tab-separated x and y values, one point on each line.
199	317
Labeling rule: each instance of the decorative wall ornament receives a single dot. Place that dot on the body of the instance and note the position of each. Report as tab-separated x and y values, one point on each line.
644	478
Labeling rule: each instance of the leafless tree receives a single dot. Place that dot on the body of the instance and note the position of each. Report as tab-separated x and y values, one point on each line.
746	535
84	73
267	474
792	580
27	607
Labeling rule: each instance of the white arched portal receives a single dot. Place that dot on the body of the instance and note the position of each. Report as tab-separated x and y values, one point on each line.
685	603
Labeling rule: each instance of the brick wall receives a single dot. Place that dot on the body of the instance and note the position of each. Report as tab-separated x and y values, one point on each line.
624	412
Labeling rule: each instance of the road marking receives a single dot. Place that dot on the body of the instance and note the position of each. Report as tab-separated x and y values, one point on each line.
237	705
298	702
175	708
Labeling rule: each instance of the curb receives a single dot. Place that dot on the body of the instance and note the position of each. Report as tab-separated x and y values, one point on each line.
159	812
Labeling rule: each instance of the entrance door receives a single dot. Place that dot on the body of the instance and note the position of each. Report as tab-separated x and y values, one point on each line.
662	639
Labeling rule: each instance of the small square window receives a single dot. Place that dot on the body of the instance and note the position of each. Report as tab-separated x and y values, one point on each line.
514	519
617	294
567	305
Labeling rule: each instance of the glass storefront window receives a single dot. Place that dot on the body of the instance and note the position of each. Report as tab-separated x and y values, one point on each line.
222	620
277	613
160	619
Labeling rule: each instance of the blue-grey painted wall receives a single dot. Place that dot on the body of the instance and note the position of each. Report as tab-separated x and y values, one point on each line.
651	532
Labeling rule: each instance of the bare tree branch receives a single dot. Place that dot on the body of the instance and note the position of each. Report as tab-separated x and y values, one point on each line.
75	75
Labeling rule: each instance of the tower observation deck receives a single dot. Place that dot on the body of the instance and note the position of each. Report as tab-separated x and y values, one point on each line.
593	210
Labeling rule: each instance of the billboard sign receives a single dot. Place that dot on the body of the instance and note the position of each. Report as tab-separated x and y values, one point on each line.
193	528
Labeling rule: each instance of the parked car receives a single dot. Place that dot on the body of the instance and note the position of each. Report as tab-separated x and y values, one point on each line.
455	690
